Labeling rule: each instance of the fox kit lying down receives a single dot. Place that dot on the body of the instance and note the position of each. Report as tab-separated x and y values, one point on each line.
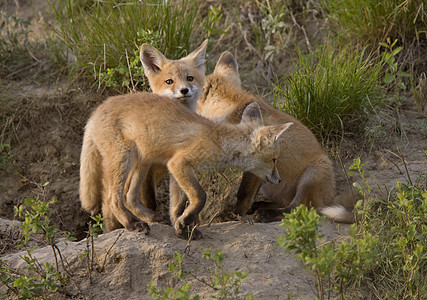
129	133
307	172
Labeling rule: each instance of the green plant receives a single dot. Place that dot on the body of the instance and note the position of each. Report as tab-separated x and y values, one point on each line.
105	36
227	285
382	256
42	279
129	73
214	16
348	260
179	273
302	237
13	43
372	21
393	75
399	222
96	226
331	91
5	156
270	32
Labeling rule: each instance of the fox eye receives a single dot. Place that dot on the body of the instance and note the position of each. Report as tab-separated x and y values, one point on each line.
169	81
190	78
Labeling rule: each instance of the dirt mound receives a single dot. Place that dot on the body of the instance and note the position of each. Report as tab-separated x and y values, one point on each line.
125	262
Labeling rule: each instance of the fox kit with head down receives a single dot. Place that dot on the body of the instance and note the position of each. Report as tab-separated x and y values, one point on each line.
307	172
127	134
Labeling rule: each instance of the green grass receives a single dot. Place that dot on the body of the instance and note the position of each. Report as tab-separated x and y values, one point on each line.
105	36
331	91
375	20
13	44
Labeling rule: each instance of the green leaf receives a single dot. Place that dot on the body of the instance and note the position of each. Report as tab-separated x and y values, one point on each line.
403	74
396	51
388	77
401	85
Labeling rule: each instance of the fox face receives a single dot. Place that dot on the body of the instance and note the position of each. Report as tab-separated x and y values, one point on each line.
181	80
266	151
265	144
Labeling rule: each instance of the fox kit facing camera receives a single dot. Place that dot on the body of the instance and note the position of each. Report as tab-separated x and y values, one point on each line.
127	134
181	79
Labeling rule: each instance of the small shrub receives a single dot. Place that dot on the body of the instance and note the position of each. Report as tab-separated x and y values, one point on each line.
226	285
42	279
383	255
331	91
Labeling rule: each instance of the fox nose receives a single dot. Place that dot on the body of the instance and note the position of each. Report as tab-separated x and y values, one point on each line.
184	91
273	179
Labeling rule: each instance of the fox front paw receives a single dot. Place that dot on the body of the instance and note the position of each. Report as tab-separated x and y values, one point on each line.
187	232
267	215
140	226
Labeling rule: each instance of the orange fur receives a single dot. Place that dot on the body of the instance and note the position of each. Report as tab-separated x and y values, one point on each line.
307	172
126	135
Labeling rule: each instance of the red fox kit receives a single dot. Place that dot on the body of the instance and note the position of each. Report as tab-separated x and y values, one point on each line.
127	134
181	80
307	172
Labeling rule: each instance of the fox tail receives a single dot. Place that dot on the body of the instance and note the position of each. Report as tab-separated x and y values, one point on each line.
90	177
342	210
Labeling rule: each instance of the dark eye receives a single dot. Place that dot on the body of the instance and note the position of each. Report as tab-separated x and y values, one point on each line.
169	81
190	78
274	160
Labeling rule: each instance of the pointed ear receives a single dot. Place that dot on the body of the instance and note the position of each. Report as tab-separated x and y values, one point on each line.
152	60
269	136
278	130
252	115
198	57
227	66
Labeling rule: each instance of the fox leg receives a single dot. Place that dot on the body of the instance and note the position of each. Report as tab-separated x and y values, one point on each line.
315	187
148	186
114	175
110	221
177	200
245	195
309	191
187	181
133	197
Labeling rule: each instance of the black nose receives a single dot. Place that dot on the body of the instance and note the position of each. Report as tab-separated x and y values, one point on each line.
184	91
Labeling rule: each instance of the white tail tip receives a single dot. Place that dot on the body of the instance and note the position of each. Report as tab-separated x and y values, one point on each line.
338	213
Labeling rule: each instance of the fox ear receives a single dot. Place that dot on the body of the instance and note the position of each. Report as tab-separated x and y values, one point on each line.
227	66
268	136
152	60
278	130
252	115
198	57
